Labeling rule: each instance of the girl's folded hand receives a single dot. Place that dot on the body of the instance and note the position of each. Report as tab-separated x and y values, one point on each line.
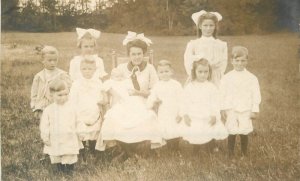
47	143
213	120
178	119
187	120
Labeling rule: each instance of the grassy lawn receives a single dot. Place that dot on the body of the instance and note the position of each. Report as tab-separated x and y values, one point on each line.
274	146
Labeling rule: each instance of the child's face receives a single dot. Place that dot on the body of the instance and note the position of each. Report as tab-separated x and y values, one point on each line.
87	46
164	72
87	70
207	27
239	63
136	55
202	73
60	97
50	61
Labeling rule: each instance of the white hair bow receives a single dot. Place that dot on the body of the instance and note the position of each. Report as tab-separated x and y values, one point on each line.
197	57
133	36
195	16
81	32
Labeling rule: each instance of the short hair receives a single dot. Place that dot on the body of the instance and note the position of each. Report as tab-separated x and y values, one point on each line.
46	49
205	16
85	37
57	85
239	51
203	62
164	63
137	43
87	61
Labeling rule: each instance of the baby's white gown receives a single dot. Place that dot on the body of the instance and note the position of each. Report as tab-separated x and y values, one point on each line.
128	120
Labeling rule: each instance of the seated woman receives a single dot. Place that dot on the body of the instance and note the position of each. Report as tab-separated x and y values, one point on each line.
129	121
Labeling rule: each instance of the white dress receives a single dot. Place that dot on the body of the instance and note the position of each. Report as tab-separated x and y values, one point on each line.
85	94
169	93
214	50
200	102
74	70
58	127
240	95
129	120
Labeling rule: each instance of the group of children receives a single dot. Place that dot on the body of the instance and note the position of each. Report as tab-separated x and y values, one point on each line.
210	106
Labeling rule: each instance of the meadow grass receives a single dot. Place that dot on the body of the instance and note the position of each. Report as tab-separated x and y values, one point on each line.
274	145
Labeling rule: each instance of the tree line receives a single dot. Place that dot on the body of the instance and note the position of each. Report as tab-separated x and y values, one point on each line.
163	17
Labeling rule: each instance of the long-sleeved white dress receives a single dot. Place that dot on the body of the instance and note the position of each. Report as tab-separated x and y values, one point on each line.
200	102
214	50
130	121
85	94
169	93
58	128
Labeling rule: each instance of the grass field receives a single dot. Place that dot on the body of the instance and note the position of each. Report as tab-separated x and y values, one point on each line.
274	145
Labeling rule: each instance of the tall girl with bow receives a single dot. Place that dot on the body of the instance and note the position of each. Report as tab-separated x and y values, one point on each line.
130	122
207	45
86	41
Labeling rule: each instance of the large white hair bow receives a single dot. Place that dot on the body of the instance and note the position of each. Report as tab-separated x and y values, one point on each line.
197	57
81	32
133	36
195	16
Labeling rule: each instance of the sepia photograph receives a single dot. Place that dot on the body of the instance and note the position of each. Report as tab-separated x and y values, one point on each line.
150	90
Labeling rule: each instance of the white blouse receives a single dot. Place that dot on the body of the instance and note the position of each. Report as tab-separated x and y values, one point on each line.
214	50
146	78
240	91
74	70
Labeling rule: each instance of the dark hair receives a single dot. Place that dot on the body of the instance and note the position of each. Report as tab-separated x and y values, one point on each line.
203	62
137	43
204	17
57	85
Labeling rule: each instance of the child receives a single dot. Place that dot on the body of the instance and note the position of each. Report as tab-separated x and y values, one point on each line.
87	43
240	99
207	45
117	87
58	129
200	108
166	93
40	94
86	95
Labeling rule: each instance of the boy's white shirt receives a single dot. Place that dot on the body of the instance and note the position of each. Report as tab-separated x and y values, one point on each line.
240	91
74	70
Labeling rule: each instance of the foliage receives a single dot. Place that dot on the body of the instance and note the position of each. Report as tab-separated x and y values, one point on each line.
167	17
